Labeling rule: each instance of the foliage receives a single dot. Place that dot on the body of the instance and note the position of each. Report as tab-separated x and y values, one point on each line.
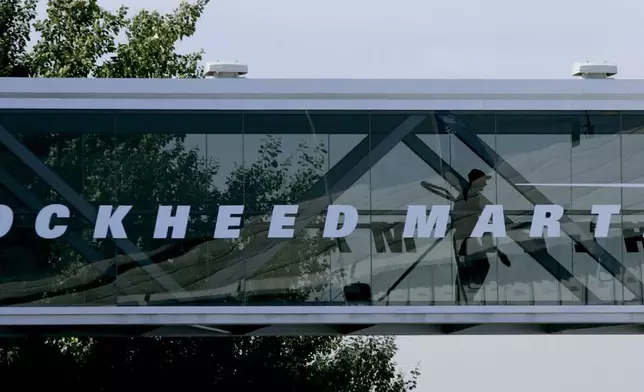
320	364
80	39
15	25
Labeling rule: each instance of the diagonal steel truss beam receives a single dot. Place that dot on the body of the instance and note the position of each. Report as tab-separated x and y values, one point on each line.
316	200
512	176
31	201
533	247
84	208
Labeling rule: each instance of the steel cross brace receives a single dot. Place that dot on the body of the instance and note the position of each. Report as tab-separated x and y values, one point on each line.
529	245
85	208
317	199
31	201
512	176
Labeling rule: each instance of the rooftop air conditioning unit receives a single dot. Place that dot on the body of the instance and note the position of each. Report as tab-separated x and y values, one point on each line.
589	70
225	69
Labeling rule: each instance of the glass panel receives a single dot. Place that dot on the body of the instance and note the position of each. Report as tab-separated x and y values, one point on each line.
596	159
71	158
441	274
534	148
309	160
210	160
350	259
176	159
478	270
407	271
632	152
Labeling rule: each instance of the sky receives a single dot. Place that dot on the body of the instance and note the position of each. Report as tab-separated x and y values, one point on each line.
462	39
416	38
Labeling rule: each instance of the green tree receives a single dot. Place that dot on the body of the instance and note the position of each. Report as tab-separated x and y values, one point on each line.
319	364
79	39
15	27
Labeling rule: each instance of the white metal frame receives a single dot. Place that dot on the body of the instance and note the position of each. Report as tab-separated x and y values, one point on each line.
318	94
287	315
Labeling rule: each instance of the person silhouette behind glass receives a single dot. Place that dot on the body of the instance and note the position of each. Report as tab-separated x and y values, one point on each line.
472	261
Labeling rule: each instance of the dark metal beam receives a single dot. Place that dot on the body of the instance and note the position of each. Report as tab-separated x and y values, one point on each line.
532	194
532	246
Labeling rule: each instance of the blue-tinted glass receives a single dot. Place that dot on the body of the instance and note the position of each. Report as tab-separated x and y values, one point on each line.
376	162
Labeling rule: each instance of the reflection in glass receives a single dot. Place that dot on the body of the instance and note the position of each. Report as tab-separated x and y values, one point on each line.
477	264
409	271
62	148
374	161
172	159
538	147
596	157
350	257
632	157
287	160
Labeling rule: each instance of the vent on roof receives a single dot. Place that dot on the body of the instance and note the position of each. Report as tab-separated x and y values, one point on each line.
590	70
225	69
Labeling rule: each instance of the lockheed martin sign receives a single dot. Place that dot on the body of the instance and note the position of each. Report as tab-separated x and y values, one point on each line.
341	221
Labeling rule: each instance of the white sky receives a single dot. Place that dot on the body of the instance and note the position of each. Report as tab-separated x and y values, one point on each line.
447	39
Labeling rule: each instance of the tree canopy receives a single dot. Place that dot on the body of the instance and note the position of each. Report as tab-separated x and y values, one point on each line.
81	39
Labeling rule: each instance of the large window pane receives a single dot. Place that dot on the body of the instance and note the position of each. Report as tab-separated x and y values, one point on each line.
534	148
632	154
405	176
378	162
350	257
308	160
177	159
596	159
58	158
471	139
